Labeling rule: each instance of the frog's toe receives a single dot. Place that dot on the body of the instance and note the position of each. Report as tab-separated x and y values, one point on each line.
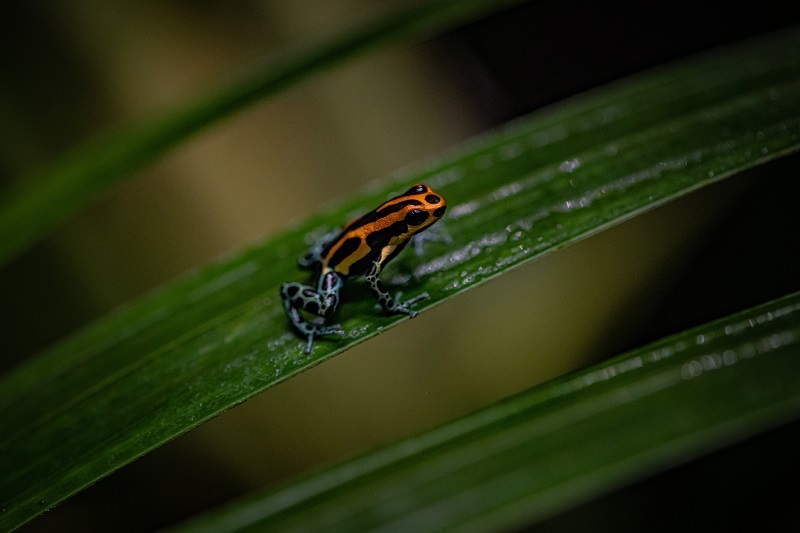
318	330
333	329
404	306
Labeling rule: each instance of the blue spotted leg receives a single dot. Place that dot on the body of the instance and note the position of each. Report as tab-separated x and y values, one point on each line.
321	302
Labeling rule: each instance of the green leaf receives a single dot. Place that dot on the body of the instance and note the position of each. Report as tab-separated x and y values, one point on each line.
560	443
44	200
163	365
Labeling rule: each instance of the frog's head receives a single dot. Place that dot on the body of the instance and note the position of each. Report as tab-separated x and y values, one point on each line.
420	207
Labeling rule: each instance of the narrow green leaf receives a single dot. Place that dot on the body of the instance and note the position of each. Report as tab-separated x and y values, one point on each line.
163	365
44	200
558	444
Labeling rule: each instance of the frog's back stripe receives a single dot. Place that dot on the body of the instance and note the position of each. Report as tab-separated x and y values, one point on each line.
392	206
362	241
345	249
379	238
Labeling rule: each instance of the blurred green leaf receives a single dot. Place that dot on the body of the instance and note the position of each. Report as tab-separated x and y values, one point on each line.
42	201
558	444
163	365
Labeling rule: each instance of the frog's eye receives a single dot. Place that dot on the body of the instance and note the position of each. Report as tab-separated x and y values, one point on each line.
415	217
417	189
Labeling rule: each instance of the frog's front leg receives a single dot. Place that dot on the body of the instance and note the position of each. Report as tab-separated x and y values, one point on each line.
314	254
321	302
385	299
436	233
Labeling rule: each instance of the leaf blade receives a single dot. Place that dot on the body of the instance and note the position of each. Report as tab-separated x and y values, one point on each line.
558	444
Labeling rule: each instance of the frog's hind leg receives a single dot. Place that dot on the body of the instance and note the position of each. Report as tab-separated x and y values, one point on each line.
297	296
392	305
311	330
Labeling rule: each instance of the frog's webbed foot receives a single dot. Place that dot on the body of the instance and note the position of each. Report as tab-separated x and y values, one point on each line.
405	306
312	331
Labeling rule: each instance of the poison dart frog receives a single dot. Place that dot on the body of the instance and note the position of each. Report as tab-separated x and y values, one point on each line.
363	247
